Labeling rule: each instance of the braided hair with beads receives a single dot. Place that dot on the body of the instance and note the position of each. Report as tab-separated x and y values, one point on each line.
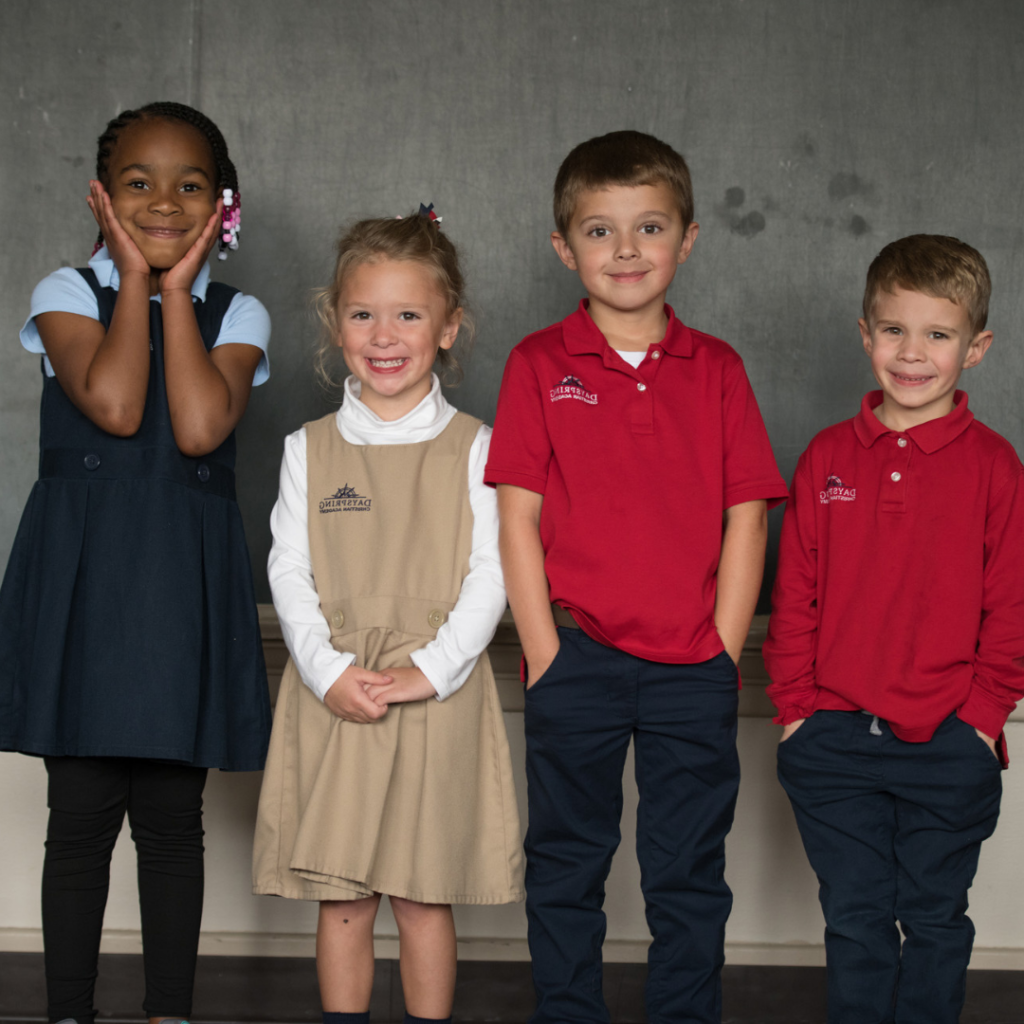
227	176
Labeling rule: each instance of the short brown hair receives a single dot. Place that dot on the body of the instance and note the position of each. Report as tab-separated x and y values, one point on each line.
936	265
415	238
620	158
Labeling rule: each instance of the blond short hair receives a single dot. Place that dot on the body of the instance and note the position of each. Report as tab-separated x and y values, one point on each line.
416	239
620	158
936	265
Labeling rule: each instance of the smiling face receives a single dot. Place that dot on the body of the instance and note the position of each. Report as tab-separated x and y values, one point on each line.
626	242
392	319
919	345
162	182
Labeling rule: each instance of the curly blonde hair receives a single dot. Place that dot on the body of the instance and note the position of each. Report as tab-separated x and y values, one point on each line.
416	239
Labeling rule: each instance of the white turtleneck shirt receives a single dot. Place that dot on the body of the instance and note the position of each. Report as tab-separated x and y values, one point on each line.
449	658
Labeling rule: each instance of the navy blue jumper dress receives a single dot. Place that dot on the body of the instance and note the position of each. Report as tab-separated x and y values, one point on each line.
128	626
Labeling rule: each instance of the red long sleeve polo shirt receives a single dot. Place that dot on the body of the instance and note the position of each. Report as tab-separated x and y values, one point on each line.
636	467
900	588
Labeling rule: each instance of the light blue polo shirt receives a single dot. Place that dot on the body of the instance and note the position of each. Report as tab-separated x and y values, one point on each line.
246	321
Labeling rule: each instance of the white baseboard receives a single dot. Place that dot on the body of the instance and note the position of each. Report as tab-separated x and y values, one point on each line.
30	940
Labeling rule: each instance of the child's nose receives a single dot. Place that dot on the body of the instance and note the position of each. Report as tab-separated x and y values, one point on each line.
626	248
165	200
383	336
912	348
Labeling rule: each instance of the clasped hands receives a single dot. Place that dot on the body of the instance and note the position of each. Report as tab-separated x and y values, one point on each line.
359	695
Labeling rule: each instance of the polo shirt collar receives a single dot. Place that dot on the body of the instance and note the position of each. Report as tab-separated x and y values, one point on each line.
107	276
929	437
581	334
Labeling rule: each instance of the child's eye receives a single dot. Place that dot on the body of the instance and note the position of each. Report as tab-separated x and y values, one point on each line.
650	229
939	335
138	185
191	186
408	315
360	314
598	232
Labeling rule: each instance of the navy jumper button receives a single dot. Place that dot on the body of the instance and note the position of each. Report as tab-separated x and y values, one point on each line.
203	472
92	461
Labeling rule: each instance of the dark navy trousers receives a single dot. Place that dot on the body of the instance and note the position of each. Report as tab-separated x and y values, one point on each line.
893	831
580	717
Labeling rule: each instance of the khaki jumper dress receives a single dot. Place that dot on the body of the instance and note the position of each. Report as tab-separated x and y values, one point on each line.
419	804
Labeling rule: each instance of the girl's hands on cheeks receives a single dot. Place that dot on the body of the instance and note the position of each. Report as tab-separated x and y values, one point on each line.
183	274
348	699
407	684
123	251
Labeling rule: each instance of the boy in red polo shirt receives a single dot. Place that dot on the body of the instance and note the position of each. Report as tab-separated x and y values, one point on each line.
896	642
633	474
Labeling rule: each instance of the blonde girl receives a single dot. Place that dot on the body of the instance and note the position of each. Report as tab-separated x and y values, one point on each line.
389	769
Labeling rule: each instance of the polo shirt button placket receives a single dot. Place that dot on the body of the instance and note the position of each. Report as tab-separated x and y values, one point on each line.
894	483
643	417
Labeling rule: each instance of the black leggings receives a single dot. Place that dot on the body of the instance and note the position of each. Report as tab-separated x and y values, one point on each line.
88	797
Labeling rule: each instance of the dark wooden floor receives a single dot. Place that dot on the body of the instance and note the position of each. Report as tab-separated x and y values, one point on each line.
272	990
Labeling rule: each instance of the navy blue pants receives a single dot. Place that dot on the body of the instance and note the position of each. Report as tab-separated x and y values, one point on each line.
893	831
580	717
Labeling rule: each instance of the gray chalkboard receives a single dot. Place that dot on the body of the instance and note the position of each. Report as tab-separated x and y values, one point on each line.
816	131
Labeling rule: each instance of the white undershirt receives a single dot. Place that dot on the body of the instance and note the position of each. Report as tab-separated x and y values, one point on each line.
633	358
449	658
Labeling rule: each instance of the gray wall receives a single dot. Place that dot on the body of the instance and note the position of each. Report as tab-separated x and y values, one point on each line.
816	131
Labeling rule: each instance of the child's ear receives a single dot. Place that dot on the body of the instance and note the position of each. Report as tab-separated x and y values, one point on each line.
689	237
865	334
565	254
451	329
977	348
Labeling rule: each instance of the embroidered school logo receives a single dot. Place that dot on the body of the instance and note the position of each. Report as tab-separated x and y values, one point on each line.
836	490
572	387
345	499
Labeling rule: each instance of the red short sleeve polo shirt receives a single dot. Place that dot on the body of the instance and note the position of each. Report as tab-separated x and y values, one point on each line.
636	467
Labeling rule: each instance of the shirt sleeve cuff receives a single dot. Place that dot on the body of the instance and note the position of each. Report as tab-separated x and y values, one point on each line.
327	675
984	713
529	481
771	492
793	706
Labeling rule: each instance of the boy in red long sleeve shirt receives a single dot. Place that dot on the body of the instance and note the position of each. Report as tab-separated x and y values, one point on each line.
896	642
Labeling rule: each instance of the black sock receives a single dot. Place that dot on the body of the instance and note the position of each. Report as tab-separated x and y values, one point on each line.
347	1018
410	1019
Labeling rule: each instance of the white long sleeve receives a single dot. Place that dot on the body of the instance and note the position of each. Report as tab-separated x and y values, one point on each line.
449	658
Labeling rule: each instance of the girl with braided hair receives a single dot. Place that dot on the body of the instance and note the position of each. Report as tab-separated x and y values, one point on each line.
129	638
